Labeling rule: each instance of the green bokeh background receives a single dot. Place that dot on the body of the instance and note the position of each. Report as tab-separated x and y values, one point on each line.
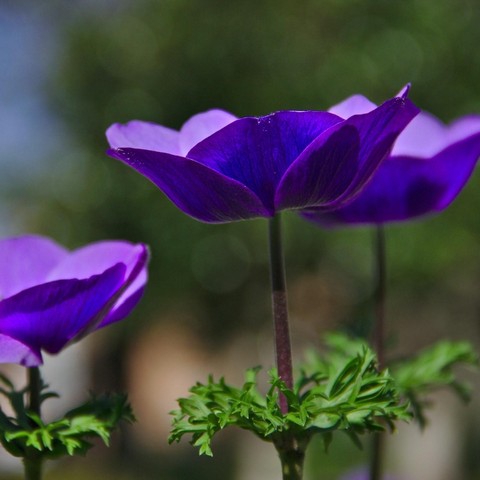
166	60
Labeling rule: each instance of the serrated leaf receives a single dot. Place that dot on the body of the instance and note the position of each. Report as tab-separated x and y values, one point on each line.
345	392
97	418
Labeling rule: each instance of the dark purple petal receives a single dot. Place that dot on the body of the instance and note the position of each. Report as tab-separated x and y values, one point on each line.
336	165
123	302
424	136
49	316
257	151
138	134
98	257
199	191
123	307
13	351
323	173
406	187
377	135
26	261
201	126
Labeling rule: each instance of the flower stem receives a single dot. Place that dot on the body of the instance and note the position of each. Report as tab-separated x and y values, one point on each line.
33	466
33	459
283	351
292	456
379	340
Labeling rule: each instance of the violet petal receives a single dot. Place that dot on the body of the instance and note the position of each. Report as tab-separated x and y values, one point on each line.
127	297
354	105
123	307
95	258
199	191
336	165
138	134
49	316
13	351
26	261
407	187
201	126
424	137
257	151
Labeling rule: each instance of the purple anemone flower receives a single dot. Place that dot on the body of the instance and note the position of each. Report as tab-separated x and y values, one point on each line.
429	165
221	169
50	297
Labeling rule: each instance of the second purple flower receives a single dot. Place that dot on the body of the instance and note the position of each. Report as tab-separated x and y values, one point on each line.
50	297
427	169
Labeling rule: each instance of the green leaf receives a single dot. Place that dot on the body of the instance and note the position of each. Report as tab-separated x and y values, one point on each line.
69	435
342	390
325	420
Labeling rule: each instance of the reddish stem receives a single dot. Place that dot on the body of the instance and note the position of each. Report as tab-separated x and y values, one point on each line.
283	351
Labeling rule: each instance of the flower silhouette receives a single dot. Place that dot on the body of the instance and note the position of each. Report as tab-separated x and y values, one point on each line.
221	169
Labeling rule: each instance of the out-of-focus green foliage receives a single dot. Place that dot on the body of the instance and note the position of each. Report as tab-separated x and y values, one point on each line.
417	377
431	369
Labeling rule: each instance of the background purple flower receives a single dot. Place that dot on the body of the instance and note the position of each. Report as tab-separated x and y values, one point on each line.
50	297
363	474
429	165
255	167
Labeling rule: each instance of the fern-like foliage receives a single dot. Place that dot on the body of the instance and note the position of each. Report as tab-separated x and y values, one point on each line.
70	435
433	368
336	392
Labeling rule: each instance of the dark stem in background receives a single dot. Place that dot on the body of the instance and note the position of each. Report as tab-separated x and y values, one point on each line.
34	389
379	339
33	459
283	351
380	296
376	462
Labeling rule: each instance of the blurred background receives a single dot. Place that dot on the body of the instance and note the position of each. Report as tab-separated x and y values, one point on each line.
70	69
